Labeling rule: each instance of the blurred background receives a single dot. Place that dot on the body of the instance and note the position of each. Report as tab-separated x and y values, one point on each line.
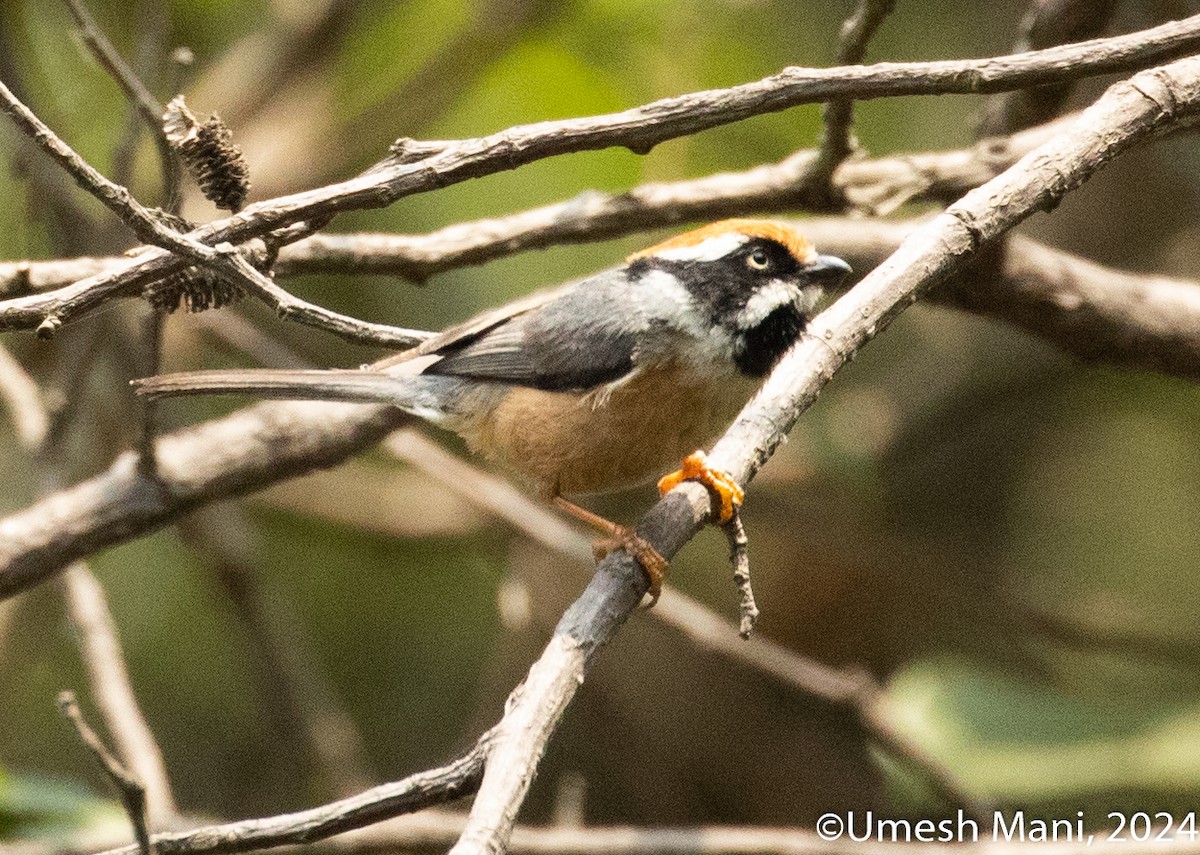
1004	536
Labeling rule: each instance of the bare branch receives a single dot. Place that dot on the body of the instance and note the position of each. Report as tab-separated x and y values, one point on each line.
1095	312
223	258
837	136
144	223
638	129
1046	23
878	183
424	789
739	556
292	308
1128	112
439	828
24	399
228	457
113	691
148	107
133	794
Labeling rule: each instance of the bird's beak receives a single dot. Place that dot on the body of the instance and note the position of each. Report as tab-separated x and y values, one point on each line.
826	268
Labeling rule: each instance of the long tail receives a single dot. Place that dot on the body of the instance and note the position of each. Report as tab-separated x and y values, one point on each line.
325	385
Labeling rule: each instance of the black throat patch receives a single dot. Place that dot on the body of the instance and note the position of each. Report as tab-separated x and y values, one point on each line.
756	350
722	288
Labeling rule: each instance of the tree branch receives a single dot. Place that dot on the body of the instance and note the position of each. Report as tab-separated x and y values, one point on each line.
130	789
837	135
880	183
430	166
112	691
138	94
145	223
1128	112
1046	23
422	790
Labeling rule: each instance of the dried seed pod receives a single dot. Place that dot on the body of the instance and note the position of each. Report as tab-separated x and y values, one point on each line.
194	288
208	150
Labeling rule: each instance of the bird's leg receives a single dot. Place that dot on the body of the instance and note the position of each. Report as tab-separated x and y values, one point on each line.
721	486
621	537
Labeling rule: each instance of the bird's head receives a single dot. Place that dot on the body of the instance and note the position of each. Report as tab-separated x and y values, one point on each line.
755	281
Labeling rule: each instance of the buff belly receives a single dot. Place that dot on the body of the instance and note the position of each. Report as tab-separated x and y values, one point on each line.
571	443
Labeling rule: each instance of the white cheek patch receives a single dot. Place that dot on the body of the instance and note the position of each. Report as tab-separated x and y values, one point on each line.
663	297
767	299
687	337
710	249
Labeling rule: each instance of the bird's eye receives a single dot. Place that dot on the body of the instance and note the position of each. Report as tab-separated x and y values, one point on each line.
758	260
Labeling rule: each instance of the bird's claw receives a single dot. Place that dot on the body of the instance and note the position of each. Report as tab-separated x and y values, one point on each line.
643	553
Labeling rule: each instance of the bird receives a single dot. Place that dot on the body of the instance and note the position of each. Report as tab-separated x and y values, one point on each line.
601	383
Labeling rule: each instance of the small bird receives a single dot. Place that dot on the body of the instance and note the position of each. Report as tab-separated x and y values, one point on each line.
601	383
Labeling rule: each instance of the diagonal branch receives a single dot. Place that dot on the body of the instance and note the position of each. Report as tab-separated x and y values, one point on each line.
136	92
432	166
422	790
130	789
877	183
1129	112
147	225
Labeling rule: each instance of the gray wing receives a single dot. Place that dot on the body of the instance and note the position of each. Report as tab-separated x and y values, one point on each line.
576	337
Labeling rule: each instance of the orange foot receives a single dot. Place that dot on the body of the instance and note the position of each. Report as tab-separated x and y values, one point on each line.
622	537
720	484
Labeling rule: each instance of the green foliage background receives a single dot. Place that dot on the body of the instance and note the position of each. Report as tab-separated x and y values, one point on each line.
1004	535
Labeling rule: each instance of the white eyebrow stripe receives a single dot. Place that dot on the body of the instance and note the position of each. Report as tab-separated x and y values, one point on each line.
710	249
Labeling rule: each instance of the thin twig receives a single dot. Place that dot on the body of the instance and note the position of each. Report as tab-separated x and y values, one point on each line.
223	258
130	789
139	95
144	222
837	134
112	690
424	789
291	308
639	129
1046	23
739	556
